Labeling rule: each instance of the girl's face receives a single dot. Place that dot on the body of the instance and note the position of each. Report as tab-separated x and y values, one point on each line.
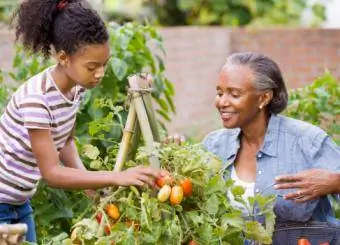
87	66
236	98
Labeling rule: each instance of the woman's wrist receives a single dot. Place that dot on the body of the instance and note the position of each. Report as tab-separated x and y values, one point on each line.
336	183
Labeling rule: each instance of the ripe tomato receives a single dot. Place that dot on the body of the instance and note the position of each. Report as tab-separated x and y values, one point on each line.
176	195
164	180
107	230
303	241
193	242
324	243
99	217
164	193
186	186
113	211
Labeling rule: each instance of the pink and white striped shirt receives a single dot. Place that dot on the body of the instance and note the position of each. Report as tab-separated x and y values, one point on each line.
37	104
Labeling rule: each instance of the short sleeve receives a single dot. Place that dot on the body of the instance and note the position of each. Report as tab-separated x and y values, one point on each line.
35	113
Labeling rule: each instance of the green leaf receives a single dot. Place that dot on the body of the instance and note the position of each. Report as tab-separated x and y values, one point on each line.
96	164
254	230
232	219
91	151
212	205
237	190
119	68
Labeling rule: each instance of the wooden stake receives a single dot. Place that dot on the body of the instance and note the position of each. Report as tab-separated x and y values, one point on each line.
137	85
126	140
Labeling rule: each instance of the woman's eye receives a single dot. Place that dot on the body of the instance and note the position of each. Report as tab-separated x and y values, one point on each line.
91	68
235	94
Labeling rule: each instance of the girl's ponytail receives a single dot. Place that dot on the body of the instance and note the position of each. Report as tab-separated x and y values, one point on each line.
41	24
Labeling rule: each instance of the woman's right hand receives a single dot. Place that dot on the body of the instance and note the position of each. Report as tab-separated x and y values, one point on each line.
139	176
176	138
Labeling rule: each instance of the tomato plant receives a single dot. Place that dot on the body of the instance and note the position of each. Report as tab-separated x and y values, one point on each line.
204	217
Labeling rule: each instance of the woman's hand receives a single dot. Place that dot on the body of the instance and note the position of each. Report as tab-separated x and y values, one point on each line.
139	176
312	184
176	138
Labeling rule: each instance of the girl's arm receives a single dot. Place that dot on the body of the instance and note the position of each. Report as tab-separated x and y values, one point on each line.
72	178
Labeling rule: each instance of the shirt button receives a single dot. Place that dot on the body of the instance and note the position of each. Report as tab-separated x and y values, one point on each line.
259	172
259	155
257	190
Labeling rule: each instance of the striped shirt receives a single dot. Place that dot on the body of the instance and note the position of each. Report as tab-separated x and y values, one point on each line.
37	104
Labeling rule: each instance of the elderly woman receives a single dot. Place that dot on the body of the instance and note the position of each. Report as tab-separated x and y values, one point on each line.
257	144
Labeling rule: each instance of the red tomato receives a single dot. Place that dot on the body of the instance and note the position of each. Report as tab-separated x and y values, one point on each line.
186	186
113	211
107	230
193	242
176	195
164	180
303	241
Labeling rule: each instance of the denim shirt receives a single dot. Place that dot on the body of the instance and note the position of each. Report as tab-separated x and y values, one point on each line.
289	146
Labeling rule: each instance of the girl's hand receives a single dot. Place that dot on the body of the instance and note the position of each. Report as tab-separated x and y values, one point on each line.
139	176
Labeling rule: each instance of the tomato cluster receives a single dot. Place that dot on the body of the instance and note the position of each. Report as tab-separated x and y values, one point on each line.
175	190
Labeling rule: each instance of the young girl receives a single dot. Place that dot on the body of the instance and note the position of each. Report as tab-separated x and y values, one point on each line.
36	128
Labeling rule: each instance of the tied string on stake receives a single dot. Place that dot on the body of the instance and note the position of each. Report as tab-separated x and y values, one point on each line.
131	93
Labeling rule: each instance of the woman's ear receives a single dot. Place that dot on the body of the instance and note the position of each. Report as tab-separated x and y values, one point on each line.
62	58
265	98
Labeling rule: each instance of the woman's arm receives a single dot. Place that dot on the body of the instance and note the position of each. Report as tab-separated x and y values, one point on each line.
74	178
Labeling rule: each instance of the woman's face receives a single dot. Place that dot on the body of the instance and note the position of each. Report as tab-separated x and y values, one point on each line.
236	98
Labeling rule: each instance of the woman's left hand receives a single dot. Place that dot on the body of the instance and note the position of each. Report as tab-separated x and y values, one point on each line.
312	184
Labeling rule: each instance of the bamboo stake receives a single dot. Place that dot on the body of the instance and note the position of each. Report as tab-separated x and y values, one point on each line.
134	142
126	140
137	84
151	115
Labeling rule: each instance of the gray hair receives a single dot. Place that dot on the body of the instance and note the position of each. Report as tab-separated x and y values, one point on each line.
267	76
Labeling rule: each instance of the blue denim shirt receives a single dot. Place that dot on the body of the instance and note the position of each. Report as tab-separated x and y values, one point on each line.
289	146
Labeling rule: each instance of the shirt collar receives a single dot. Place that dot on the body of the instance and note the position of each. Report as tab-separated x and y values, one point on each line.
271	138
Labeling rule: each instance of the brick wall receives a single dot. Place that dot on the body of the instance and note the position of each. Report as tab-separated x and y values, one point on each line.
195	55
192	64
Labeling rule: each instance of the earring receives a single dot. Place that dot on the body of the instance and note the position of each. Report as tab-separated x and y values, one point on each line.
260	107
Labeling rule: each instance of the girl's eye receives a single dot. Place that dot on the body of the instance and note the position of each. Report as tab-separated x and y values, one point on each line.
91	68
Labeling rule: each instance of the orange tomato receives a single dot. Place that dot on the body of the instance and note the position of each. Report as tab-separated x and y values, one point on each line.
176	195
303	241
193	242
113	211
164	180
186	186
